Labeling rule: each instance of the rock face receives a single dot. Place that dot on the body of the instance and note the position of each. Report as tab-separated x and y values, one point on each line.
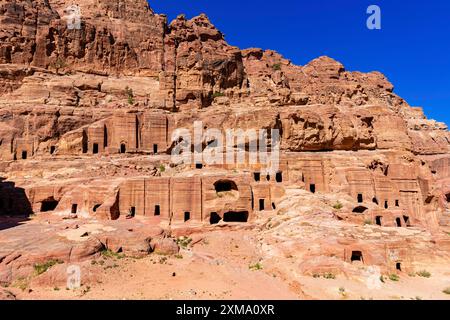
87	116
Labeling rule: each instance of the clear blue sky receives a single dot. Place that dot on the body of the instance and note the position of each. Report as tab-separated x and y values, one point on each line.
412	49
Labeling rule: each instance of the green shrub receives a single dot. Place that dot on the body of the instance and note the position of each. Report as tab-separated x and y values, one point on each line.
111	254
394	277
424	274
40	268
218	94
256	266
338	206
276	67
446	290
183	242
367	222
162	168
329	275
130	95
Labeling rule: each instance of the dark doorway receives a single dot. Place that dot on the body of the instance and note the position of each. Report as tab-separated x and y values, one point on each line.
398	221
378	220
157	210
238	216
398	266
360	198
386	204
85	142
360	209
155	148
123	148
133	211
74	208
24	155
312	188
198	166
49	205
407	222
52	149
274	206
261	205
105	136
375	200
225	185
279	177
257	176
94	209
214	218
357	256
397	203
187	216
268	177
95	148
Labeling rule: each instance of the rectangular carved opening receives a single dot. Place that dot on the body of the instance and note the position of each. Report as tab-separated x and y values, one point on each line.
187	216
257	176
95	148
157	210
74	208
261	205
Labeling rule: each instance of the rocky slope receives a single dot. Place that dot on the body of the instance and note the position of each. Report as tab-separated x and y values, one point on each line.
86	119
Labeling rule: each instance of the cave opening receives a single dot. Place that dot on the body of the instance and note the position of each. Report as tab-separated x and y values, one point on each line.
49	205
225	185
261	205
360	209
360	198
279	177
214	218
235	216
357	256
378	220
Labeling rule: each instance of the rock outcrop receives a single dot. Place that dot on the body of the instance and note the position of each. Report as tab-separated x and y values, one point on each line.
87	115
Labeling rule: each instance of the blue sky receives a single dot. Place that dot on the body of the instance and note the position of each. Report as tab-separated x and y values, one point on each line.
412	49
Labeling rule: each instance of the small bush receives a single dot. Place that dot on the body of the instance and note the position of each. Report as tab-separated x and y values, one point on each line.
256	266
382	279
130	95
424	274
179	256
338	206
183	242
367	222
40	268
446	290
111	254
162	168
218	94
276	67
394	277
329	275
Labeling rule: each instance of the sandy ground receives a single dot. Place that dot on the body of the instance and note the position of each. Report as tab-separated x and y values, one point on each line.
224	265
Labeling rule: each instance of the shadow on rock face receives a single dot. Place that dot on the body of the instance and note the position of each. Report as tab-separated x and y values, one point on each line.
14	205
